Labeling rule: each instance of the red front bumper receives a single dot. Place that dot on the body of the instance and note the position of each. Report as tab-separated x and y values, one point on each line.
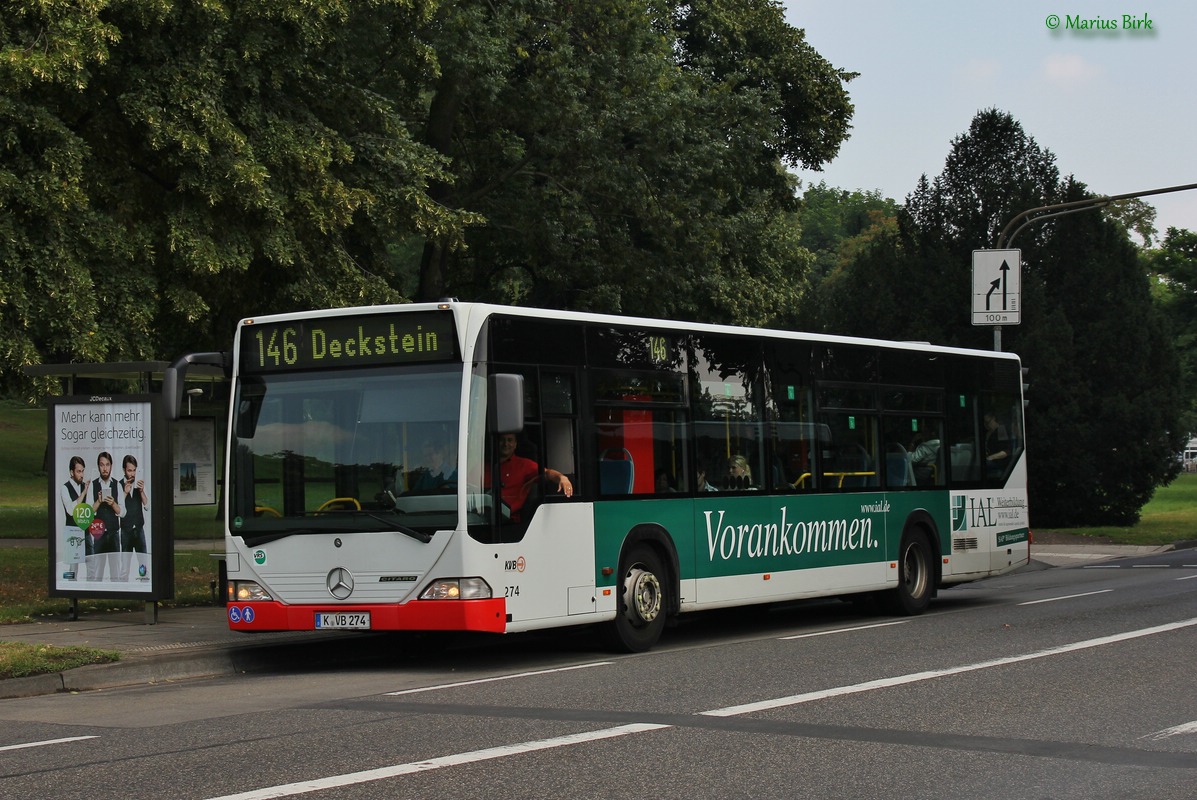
487	616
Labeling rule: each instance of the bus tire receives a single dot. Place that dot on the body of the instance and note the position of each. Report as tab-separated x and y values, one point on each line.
916	576
641	606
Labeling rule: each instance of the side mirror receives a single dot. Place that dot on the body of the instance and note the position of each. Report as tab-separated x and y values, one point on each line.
506	407
175	375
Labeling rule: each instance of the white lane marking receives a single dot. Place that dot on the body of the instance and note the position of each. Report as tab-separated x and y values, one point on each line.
337	781
1187	578
1101	566
1176	730
1151	566
842	630
899	680
46	742
349	779
499	678
1065	597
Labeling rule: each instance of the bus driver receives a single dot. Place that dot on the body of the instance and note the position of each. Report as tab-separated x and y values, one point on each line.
517	474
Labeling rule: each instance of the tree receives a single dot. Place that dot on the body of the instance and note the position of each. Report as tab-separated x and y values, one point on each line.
992	172
630	158
1134	216
1102	420
1125	378
836	223
170	167
1174	267
49	231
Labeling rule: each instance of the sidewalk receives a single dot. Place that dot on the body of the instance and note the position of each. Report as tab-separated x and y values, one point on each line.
188	643
184	643
1072	555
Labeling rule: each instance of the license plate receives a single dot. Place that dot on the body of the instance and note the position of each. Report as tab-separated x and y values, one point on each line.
343	620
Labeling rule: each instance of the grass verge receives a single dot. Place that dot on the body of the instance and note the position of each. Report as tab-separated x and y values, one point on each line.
24	587
21	660
24	597
1170	516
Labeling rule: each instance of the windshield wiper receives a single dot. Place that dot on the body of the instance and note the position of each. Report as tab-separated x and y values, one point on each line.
388	521
253	540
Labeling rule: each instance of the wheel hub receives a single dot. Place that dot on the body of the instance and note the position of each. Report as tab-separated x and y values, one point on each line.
644	596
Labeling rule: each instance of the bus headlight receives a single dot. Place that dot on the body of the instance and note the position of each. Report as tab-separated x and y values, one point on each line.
457	589
243	591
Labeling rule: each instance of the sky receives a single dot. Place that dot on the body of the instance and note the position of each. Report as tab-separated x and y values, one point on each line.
1117	108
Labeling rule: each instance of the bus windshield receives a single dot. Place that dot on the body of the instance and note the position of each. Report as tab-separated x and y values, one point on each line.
342	451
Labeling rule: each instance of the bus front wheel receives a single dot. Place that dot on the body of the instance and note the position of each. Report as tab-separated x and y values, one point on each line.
641	606
915	576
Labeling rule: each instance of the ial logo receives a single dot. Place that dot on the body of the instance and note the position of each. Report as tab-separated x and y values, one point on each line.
959	514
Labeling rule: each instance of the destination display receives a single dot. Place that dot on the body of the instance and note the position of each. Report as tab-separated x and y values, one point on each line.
354	341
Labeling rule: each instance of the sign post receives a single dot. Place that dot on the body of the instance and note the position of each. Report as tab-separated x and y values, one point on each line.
997	290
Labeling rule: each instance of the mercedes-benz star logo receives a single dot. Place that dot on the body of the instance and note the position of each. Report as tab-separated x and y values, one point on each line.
340	583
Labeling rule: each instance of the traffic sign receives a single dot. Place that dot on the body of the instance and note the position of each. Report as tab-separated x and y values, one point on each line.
997	281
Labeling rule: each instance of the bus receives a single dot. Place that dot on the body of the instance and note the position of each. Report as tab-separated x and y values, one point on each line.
457	466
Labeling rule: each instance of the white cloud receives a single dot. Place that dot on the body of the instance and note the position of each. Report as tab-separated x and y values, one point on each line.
1069	71
981	70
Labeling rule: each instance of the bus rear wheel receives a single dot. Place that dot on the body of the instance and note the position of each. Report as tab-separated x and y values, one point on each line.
641	606
915	576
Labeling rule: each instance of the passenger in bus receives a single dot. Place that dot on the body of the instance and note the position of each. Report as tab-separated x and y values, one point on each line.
517	475
439	472
997	446
662	484
739	473
703	484
924	456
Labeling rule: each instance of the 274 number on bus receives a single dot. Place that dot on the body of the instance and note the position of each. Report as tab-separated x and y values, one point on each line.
340	620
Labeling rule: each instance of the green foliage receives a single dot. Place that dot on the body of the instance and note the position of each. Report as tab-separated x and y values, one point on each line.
843	230
992	172
1174	268
1134	216
22	473
1125	378
1102	421
23	660
1170	516
168	167
24	596
627	158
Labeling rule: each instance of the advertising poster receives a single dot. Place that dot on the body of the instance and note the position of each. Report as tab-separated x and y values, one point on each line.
195	462
104	498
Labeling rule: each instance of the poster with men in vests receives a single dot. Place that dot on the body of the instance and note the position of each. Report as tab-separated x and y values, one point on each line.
103	496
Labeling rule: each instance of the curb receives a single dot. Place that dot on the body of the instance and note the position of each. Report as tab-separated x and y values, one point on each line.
132	672
32	686
141	670
135	671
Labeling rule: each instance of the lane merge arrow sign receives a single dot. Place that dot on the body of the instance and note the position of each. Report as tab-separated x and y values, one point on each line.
997	283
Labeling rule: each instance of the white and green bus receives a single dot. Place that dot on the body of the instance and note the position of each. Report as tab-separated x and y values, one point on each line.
468	467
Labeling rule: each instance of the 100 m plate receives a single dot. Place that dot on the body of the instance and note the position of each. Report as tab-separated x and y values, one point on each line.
343	620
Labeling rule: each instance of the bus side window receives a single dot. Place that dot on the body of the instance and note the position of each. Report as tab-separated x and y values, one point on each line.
560	451
636	445
796	446
726	400
558	404
850	461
